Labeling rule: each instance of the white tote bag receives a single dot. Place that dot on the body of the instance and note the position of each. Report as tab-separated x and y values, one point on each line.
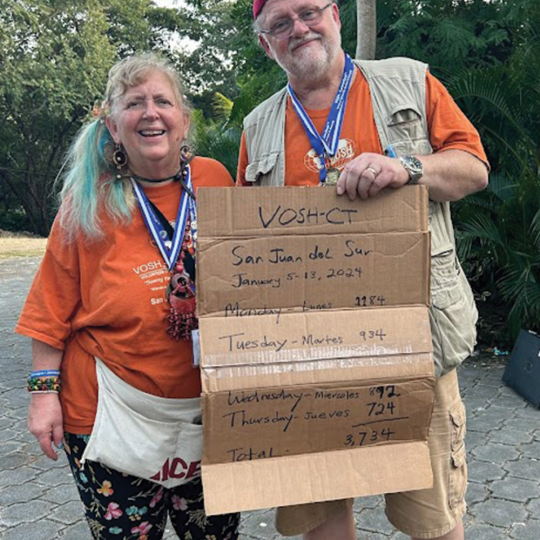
155	438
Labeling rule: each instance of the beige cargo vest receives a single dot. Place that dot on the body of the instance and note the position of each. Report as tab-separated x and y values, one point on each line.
398	95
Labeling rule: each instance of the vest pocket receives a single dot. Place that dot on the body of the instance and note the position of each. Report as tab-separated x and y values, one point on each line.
257	169
453	313
406	131
406	123
444	277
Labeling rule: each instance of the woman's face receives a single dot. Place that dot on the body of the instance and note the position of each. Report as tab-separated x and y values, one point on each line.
151	125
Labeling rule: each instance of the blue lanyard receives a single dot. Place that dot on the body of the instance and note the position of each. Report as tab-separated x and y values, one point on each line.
327	142
169	248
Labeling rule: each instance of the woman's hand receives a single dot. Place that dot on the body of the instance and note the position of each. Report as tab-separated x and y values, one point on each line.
45	422
45	411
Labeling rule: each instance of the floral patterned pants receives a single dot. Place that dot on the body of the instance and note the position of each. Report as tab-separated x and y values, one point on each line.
124	507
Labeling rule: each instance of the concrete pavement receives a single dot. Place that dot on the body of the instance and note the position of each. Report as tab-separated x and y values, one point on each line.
39	501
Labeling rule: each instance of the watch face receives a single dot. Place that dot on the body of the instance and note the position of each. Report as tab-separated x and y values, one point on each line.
414	164
414	167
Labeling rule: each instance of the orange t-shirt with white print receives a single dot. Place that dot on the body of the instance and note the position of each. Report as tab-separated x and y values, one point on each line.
449	129
106	299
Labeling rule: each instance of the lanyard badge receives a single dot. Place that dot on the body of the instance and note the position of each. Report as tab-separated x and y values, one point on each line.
326	144
169	247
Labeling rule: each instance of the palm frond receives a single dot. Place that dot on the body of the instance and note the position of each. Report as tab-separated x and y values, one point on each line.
483	228
535	229
486	86
222	106
513	282
502	186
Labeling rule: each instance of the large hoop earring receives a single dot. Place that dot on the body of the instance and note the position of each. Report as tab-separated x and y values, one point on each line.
186	155
119	157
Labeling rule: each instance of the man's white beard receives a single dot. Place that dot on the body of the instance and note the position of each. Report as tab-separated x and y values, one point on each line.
311	62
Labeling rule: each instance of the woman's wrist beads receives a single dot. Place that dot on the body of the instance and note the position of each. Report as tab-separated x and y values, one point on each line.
44	382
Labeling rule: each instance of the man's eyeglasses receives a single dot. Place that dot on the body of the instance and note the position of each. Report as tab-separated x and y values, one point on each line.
283	28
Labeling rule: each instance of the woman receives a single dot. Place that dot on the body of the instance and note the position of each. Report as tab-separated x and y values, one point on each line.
112	308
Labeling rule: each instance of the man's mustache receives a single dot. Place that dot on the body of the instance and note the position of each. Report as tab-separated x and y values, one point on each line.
312	36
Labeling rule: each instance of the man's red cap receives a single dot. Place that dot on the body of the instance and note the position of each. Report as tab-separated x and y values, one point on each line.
257	6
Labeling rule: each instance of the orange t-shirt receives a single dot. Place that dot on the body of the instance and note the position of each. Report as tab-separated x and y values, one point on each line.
449	129
107	299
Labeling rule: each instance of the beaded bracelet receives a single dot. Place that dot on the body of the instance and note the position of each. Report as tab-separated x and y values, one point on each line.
44	381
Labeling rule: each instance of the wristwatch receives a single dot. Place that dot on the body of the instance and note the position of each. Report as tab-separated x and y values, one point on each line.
414	168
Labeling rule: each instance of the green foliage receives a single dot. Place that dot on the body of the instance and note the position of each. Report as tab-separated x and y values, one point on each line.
234	70
447	35
498	229
217	140
488	56
209	58
500	241
54	60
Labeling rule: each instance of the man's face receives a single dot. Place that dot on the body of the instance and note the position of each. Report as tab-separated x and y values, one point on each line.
310	51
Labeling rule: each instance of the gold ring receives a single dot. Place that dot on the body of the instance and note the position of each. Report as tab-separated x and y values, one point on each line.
375	173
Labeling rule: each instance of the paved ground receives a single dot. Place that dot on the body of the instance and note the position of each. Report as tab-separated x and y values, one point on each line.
38	500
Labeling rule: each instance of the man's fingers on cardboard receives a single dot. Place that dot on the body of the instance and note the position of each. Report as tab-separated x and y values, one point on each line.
345	184
376	186
340	185
364	184
352	186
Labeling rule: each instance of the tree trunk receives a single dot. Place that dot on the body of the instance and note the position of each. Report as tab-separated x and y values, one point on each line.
366	25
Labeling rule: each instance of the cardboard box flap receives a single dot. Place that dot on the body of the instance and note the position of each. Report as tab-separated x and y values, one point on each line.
301	419
229	212
266	483
312	272
302	337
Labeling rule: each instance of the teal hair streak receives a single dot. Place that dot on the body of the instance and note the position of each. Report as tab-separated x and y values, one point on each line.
89	184
118	194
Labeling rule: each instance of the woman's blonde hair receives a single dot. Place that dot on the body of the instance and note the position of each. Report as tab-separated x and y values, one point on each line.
133	71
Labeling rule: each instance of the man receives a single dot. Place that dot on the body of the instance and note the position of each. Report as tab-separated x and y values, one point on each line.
366	126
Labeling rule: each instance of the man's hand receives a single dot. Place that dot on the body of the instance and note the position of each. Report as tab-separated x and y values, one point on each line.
368	173
45	422
450	175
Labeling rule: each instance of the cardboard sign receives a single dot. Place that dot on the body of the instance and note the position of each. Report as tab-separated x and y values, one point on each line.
315	345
